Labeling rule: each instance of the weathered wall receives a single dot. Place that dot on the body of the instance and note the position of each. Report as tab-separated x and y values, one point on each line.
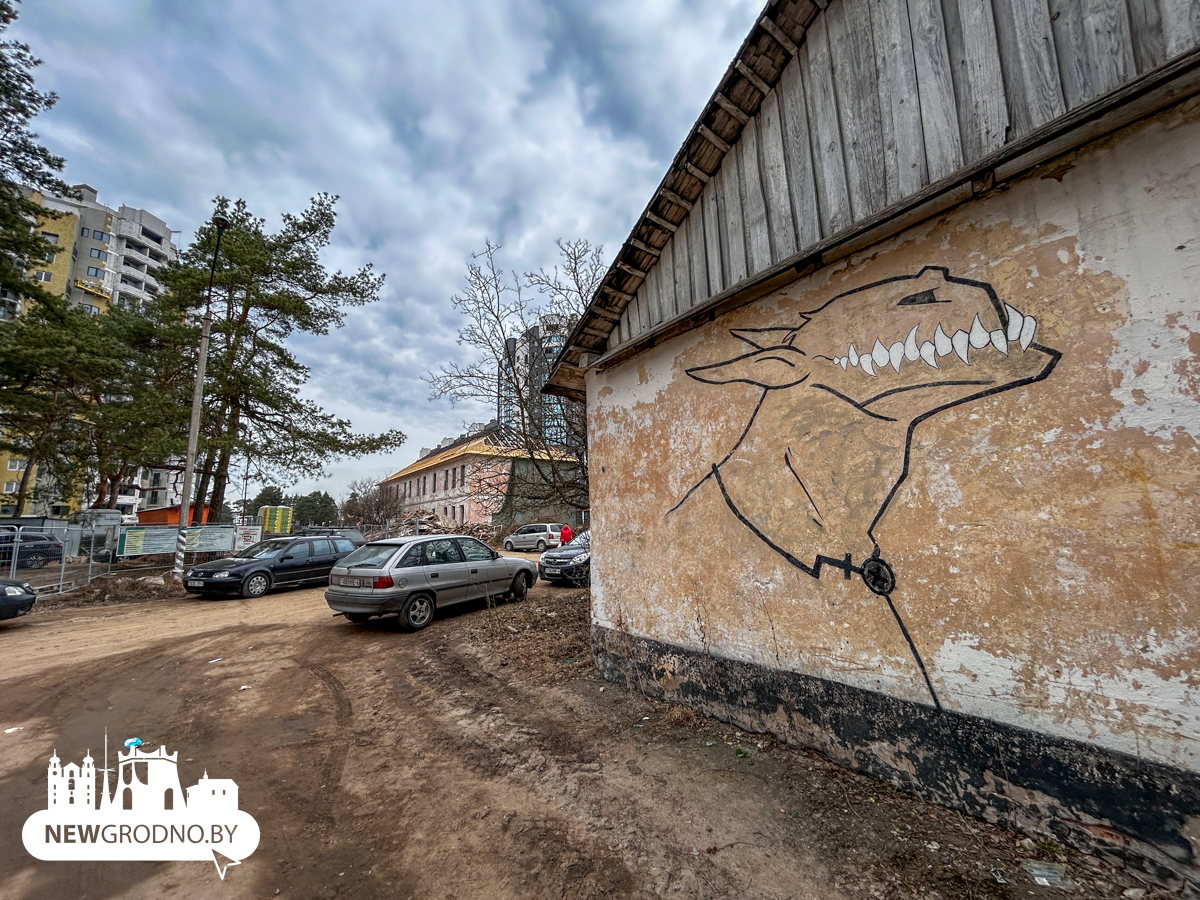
1012	538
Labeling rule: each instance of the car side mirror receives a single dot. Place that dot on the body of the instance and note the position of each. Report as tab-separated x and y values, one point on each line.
495	554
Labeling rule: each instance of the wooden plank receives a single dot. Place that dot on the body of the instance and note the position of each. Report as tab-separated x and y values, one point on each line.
935	84
713	138
1181	25
1095	47
697	255
623	332
675	198
603	313
683	280
769	26
645	248
732	108
734	231
662	223
632	270
1027	50
1149	41
797	151
900	107
829	168
857	86
754	205
978	76
712	237
664	308
696	172
774	179
751	76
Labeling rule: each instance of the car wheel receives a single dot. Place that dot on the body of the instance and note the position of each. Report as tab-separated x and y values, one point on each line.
256	585
541	546
357	618
417	612
35	560
520	587
508	545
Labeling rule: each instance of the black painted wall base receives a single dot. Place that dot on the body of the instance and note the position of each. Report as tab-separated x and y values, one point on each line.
1121	808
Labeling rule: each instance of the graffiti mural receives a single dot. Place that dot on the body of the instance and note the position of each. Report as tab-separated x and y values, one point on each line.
827	446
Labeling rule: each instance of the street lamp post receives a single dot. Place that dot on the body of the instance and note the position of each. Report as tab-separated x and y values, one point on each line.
185	504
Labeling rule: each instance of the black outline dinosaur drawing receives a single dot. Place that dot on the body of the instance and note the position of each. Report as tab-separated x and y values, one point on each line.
783	359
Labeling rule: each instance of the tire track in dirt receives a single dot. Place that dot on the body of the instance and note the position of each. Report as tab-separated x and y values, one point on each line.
334	763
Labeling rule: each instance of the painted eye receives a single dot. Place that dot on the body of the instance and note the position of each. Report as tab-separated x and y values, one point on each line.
921	299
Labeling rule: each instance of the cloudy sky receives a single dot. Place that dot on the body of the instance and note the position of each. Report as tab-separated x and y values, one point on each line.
439	125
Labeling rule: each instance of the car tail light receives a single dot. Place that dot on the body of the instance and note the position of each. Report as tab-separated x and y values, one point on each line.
331	578
383	581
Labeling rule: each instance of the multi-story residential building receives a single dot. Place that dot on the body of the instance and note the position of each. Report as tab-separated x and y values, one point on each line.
102	256
521	405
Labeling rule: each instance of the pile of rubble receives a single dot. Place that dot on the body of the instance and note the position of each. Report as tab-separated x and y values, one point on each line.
431	523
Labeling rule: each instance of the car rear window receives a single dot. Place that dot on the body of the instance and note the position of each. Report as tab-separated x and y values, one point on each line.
370	556
344	545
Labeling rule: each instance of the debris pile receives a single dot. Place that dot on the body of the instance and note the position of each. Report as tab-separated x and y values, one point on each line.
431	523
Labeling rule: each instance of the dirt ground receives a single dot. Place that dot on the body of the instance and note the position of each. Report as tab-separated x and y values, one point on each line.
481	757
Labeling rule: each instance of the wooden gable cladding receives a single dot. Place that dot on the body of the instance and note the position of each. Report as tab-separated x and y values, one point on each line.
833	113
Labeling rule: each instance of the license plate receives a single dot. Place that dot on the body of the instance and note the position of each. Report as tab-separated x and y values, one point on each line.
195	584
550	571
350	582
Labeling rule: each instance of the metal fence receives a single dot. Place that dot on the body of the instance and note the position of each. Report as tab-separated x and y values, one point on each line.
61	558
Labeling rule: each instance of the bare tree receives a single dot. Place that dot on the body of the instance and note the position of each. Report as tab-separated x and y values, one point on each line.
365	501
516	326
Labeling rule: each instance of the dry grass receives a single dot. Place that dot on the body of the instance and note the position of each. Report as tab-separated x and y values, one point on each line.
546	638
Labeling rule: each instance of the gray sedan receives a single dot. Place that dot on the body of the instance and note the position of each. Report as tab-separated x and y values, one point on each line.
413	576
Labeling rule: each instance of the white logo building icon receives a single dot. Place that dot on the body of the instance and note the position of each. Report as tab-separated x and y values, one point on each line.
144	815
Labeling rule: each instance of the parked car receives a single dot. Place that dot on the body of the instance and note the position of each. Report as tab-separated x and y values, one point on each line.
534	537
36	549
570	563
353	533
278	562
412	577
16	598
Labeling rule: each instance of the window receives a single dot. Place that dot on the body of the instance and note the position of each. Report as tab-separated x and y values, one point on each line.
154	498
95	272
42	275
344	545
84	232
10	487
101	236
156	479
89	309
474	550
462	479
323	548
301	550
462	514
49	257
441	552
50	237
17	465
454	478
151	236
97	253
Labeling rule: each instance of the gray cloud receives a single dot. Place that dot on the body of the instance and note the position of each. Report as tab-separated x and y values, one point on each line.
439	125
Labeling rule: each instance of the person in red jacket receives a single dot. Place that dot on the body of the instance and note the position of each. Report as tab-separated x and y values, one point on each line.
567	535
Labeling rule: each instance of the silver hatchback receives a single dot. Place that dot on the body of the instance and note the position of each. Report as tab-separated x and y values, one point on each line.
413	576
539	537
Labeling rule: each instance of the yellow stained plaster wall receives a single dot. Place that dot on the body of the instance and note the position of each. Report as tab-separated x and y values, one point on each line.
1045	539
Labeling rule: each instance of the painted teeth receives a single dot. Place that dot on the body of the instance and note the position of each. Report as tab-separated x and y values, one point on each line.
1028	327
879	353
1014	322
979	335
941	342
1020	328
961	342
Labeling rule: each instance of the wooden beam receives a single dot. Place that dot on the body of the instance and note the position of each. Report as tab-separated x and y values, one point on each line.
612	290
661	222
596	332
606	314
696	171
749	74
637	273
732	108
645	248
711	136
769	26
676	199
